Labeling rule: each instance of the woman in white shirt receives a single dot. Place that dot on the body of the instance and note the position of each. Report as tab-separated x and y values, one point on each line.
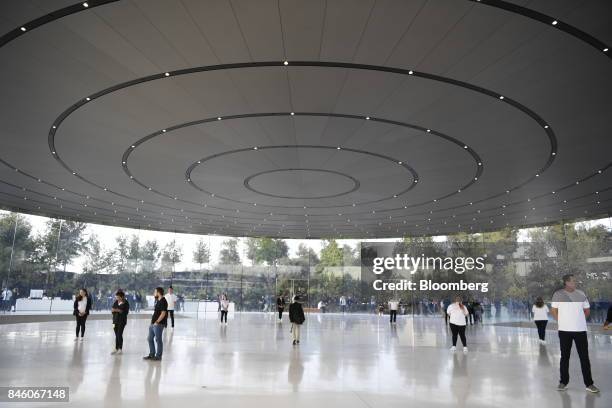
224	305
540	317
82	304
457	313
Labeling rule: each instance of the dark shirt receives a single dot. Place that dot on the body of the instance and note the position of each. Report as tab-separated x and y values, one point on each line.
121	317
296	313
280	302
160	306
609	318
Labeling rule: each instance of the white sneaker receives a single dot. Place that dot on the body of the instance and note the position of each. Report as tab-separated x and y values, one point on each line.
76	339
453	349
82	338
465	350
119	351
114	352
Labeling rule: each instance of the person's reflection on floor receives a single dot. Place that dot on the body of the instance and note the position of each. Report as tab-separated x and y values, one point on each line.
151	385
296	369
566	400
112	397
394	336
76	373
543	357
460	380
590	398
280	334
223	332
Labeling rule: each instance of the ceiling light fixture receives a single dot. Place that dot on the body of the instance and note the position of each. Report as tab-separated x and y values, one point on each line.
555	22
23	29
285	62
167	74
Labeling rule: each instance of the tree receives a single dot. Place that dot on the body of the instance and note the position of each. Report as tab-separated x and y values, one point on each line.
171	255
133	254
201	254
331	255
96	259
149	255
62	242
229	252
267	250
14	228
121	254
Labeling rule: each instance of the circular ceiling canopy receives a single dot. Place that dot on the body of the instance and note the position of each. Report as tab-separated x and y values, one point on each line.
351	119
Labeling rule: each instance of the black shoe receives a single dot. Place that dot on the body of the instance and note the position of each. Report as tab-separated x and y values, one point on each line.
156	358
148	357
294	343
298	342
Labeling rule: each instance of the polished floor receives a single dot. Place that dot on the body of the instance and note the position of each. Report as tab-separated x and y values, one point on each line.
343	361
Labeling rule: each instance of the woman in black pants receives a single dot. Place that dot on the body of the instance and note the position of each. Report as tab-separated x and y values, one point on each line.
120	310
82	304
540	317
457	313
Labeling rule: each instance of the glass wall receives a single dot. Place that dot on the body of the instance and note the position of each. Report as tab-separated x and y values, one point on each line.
44	261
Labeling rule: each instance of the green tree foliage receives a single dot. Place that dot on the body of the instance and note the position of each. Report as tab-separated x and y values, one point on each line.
268	250
229	252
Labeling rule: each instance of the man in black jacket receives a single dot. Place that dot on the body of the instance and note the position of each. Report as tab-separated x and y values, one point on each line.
297	318
120	310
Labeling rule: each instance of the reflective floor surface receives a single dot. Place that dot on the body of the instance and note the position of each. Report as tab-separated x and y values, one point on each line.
343	361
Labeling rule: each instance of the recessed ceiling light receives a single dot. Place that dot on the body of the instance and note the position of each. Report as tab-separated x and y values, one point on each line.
428	130
167	74
292	113
605	49
219	118
123	162
507	191
399	162
465	147
599	171
410	72
133	147
554	153
286	63
475	178
367	118
555	22
54	127
255	148
501	97
163	130
23	29
73	173
53	152
545	126
537	175
85	5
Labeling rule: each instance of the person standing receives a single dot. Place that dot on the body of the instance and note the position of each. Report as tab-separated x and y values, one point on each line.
297	318
159	320
540	317
393	306
81	306
606	325
343	304
570	307
171	300
120	310
280	306
6	299
224	307
457	313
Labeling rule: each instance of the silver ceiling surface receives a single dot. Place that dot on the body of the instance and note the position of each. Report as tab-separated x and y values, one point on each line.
307	119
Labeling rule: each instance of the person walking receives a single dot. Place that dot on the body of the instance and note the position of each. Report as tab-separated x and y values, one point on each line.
159	320
393	306
540	317
81	306
297	318
171	300
120	310
280	306
224	307
457	313
570	307
7	294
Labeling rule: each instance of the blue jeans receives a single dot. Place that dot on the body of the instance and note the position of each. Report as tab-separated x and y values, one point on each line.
155	332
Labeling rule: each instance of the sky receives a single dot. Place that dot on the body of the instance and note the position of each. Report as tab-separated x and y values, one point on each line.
108	234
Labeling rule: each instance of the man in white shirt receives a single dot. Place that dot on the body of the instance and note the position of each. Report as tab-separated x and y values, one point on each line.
171	299
570	308
7	295
393	305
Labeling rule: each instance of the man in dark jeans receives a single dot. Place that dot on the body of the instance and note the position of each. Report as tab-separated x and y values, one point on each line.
570	308
159	320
